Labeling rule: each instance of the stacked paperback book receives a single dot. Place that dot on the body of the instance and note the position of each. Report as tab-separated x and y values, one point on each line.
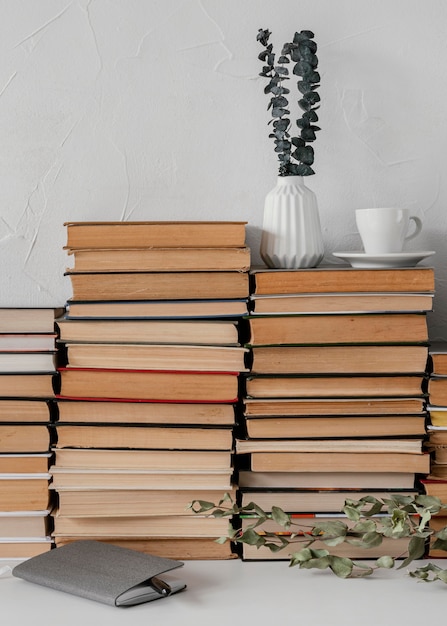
150	382
334	405
27	370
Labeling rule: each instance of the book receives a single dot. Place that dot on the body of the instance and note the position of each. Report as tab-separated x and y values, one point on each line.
106	436
101	572
337	329
27	385
162	234
23	463
141	526
437	488
161	259
211	332
266	407
100	503
27	361
327	480
356	302
24	438
437	436
319	446
437	390
28	320
437	523
185	548
342	280
29	410
390	359
131	479
164	386
24	547
38	342
15	524
116	412
417	463
310	500
24	492
335	386
159	460
150	309
438	358
438	415
336	426
158	285
137	356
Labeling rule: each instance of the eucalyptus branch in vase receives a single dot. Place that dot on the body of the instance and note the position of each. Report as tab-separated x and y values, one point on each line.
369	521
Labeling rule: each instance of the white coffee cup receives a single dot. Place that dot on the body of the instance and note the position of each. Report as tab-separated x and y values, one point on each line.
384	230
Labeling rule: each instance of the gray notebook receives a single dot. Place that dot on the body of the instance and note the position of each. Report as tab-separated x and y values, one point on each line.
102	572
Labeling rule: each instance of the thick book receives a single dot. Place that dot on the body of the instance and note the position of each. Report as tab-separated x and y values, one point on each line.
116	412
14	362
326	480
101	572
163	386
19	410
24	438
24	492
438	415
15	524
356	302
27	385
23	463
370	359
342	280
437	390
338	329
28	320
158	285
317	446
27	342
24	547
161	259
153	309
438	358
162	234
282	407
139	356
211	332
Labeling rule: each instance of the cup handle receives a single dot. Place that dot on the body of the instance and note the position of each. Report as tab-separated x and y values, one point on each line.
417	230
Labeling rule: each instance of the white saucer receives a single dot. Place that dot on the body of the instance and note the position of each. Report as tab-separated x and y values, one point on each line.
394	259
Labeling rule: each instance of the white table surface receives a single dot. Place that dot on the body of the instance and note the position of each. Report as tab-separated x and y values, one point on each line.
233	592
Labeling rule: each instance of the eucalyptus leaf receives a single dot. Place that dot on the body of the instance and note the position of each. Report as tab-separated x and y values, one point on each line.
342	567
386	562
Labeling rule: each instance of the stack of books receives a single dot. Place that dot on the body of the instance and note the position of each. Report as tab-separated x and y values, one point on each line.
27	369
334	405
150	383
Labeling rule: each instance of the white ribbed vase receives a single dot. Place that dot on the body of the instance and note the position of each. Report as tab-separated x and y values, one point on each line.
291	233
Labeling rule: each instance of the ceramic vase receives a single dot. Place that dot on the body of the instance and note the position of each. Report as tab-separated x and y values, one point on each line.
291	234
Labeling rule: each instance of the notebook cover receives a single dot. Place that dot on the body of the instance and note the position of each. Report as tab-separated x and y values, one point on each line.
92	569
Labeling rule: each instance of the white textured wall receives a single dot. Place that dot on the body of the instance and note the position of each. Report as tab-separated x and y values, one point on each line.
153	109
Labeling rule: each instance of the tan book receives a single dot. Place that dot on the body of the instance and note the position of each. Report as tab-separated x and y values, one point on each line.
28	320
113	479
149	385
24	494
332	406
162	259
341	303
161	331
342	461
159	460
336	426
183	548
437	488
145	412
162	234
133	310
27	342
437	523
356	446
17	410
326	480
402	359
437	390
338	329
296	386
144	526
437	436
27	385
136	503
24	548
24	438
105	436
343	280
438	358
31	362
158	285
24	463
15	524
157	357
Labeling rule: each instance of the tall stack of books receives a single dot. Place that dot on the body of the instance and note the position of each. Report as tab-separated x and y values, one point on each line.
334	405
27	369
148	392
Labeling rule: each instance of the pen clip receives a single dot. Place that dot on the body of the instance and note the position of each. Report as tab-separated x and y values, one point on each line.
160	586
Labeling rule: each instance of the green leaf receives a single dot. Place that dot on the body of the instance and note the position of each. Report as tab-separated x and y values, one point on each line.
386	562
342	567
251	537
416	550
278	514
